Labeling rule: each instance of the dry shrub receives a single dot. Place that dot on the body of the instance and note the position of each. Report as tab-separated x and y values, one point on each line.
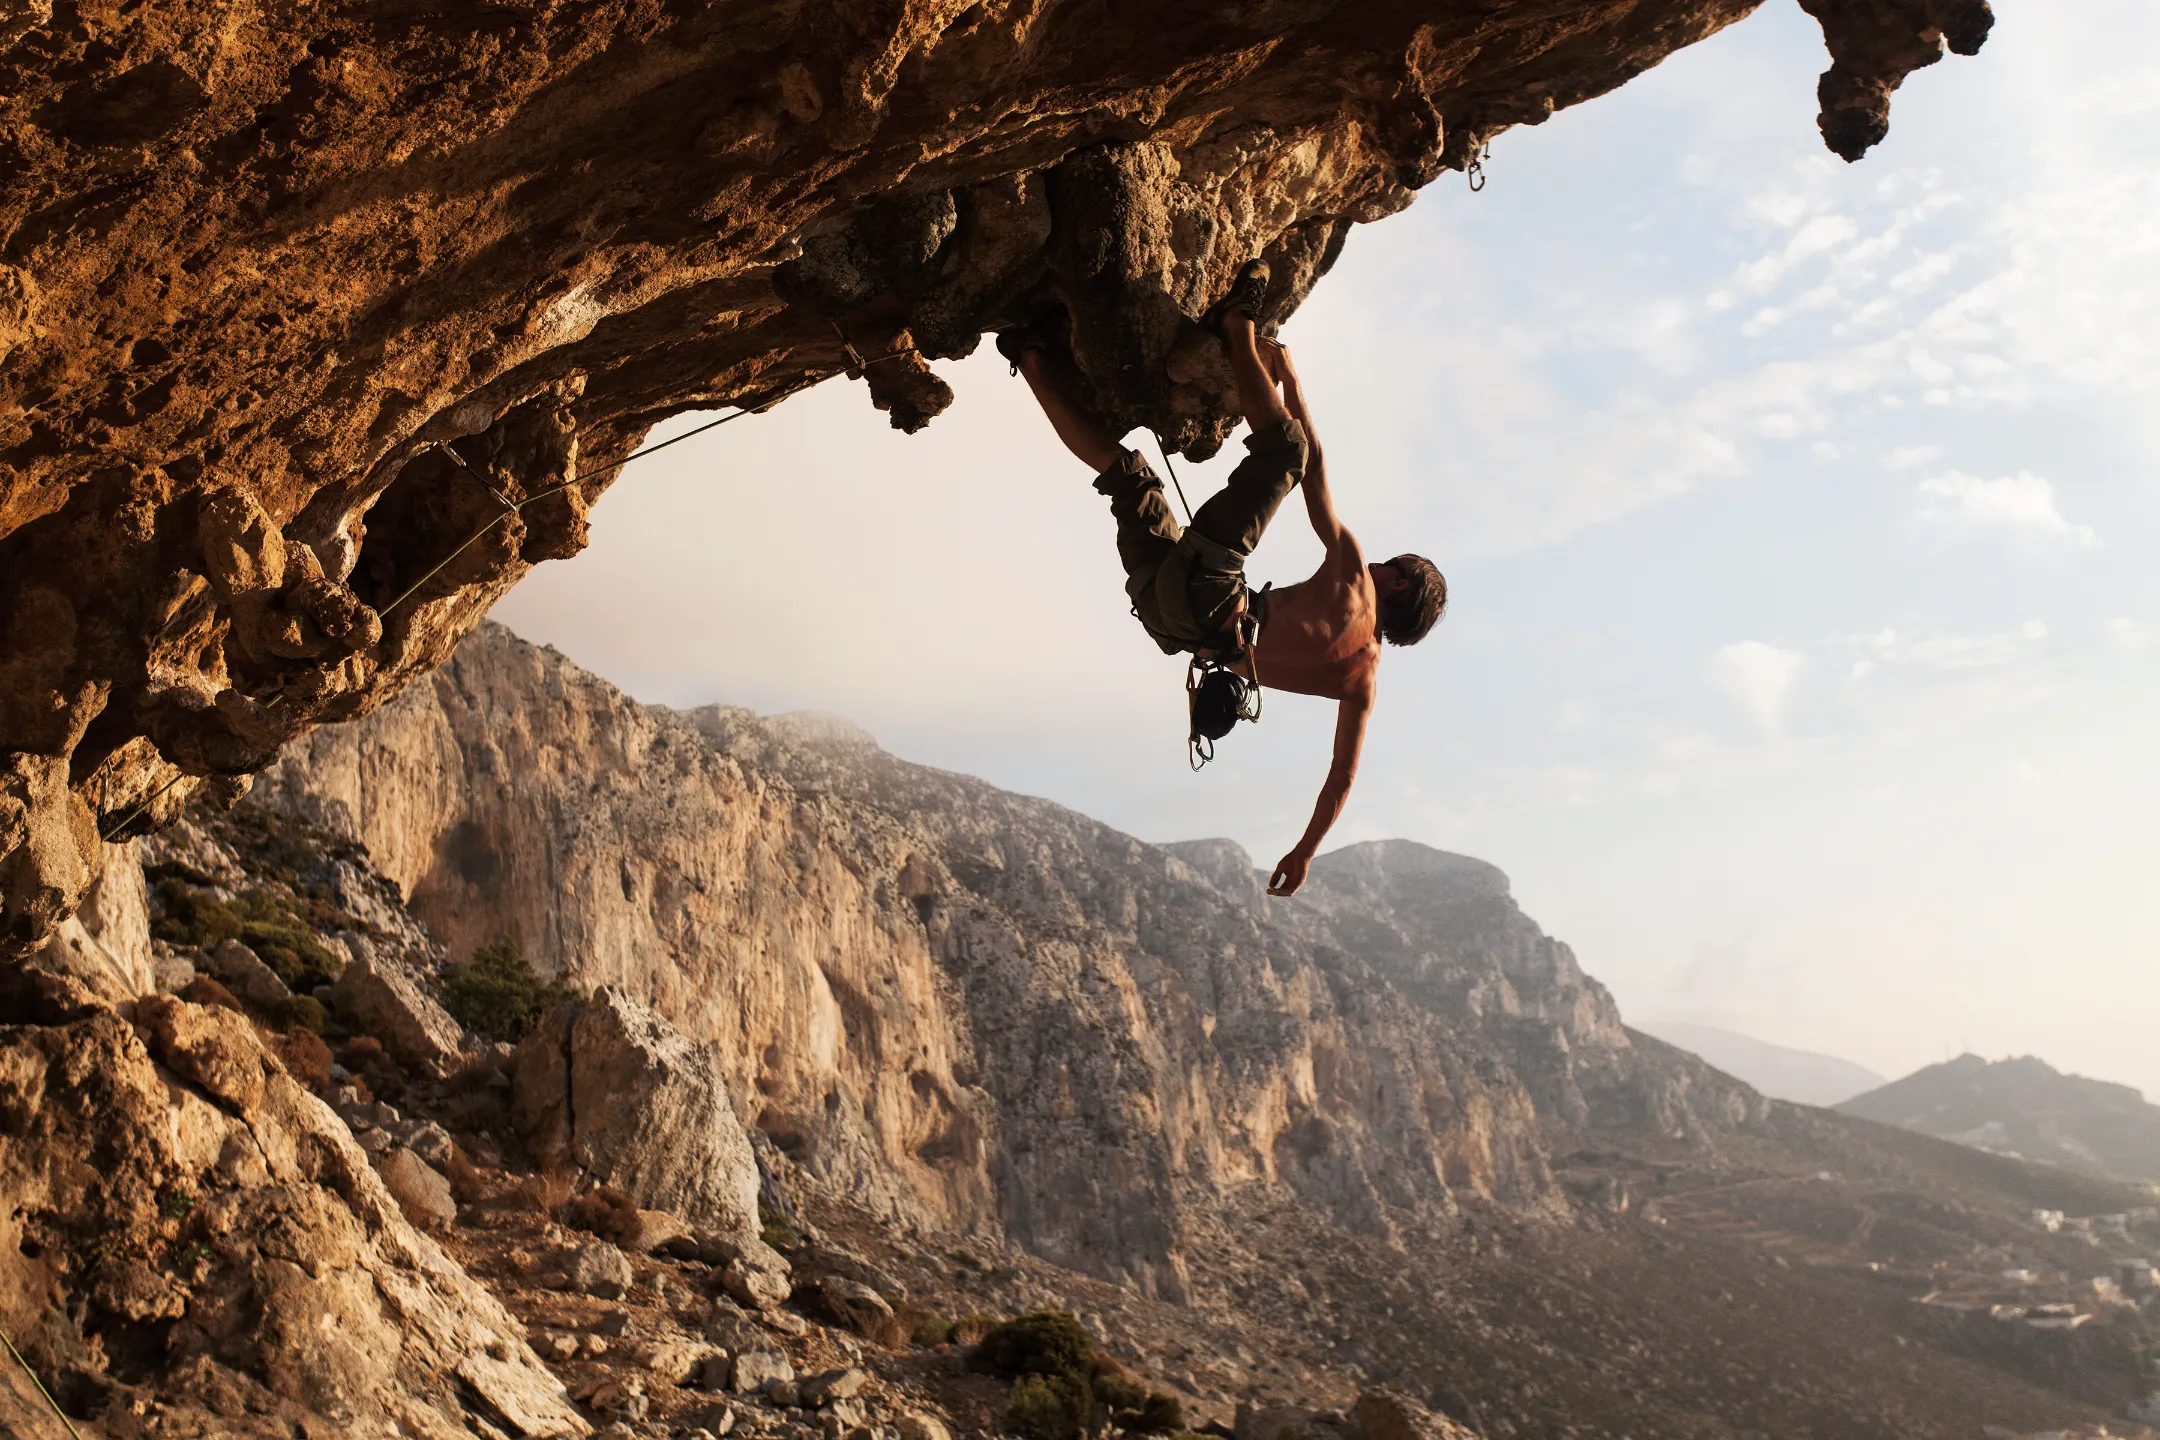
365	1057
479	1112
925	1327
549	1190
606	1212
203	990
306	1058
468	1182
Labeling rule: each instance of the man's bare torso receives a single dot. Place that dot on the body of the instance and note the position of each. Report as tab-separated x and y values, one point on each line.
1322	635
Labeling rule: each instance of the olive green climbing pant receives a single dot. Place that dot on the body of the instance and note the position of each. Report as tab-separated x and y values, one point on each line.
1185	584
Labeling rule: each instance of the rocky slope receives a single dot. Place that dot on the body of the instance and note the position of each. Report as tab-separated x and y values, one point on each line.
982	1013
2024	1106
320	325
1377	1164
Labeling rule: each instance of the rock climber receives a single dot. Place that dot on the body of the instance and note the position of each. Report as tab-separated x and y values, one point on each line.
1320	636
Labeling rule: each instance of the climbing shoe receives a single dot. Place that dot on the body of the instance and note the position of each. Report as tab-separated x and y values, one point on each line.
1247	297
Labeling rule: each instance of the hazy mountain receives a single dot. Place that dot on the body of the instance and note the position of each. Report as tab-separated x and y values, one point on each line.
1802	1076
2025	1107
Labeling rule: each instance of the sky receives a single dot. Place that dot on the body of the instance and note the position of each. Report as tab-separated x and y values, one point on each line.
1803	658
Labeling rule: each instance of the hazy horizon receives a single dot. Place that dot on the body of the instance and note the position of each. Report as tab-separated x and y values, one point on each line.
1800	666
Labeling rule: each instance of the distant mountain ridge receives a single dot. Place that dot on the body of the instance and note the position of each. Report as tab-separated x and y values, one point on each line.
2025	1107
1804	1077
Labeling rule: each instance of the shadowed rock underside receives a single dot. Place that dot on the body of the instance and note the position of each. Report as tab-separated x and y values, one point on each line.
319	326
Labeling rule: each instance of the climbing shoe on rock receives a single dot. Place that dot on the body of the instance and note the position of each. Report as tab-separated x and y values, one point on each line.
1247	297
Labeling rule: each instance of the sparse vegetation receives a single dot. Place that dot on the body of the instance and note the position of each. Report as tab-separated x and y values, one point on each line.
266	923
1065	1388
306	1057
774	1230
300	1012
498	993
926	1327
1042	1342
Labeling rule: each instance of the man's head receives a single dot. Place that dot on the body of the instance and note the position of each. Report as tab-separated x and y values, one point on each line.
1413	596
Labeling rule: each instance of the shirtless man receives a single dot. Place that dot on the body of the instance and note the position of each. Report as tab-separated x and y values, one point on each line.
1320	636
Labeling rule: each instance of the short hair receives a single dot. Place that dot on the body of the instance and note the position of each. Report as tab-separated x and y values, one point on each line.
1410	612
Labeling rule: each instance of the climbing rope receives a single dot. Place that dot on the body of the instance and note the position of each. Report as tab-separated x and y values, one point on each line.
1166	465
58	1413
856	367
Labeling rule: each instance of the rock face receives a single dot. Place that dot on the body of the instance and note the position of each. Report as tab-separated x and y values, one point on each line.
975	1012
620	1093
188	1218
317	332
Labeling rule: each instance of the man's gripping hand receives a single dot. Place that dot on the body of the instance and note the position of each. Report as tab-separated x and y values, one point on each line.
1289	874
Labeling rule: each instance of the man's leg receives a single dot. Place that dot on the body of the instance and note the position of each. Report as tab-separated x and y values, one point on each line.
1236	515
1258	396
1147	531
1081	432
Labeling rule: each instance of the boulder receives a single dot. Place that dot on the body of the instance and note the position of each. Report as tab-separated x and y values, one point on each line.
843	1384
420	1190
380	997
915	1425
308	1303
243	972
106	943
1389	1415
600	1270
208	1046
642	1108
852	1303
171	971
755	1369
753	1285
655	1230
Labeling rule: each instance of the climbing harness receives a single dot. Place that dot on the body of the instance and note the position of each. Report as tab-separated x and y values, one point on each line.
1216	696
1475	172
857	365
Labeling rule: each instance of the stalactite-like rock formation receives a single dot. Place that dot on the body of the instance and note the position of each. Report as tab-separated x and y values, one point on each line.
297	300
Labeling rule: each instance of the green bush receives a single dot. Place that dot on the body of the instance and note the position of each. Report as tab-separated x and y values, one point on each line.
1044	1342
1159	1414
498	993
300	1012
1049	1407
266	924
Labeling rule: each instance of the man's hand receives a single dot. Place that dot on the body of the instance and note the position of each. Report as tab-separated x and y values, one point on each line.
1276	357
1289	874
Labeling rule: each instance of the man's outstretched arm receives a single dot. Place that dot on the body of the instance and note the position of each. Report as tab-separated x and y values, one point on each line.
1350	720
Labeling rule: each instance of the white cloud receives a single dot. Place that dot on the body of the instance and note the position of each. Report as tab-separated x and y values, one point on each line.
2023	501
1912	457
2127	635
1944	652
1758	678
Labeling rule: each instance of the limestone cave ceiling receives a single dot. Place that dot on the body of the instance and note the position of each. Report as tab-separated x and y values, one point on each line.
295	299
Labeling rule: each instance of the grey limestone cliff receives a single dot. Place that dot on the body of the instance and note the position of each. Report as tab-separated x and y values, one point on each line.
974	1011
